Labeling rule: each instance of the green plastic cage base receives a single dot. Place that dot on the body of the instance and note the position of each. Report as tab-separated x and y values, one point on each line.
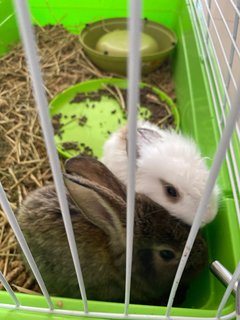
197	118
74	309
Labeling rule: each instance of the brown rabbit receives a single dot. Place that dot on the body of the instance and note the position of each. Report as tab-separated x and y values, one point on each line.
97	202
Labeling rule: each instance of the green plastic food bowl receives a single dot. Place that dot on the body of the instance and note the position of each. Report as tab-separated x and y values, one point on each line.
82	124
105	42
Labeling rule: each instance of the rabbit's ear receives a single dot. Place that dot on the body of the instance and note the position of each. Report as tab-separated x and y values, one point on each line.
144	137
99	205
96	172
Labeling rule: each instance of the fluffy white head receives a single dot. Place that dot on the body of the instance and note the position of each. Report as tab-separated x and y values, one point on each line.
170	170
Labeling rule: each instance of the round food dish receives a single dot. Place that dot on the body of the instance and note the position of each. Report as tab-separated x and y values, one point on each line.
116	62
84	115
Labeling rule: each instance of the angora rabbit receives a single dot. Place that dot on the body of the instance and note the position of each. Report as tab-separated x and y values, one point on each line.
170	169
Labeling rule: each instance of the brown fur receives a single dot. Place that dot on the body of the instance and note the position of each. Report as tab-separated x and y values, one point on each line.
98	216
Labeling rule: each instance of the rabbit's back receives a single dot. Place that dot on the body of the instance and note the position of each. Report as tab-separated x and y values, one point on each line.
41	220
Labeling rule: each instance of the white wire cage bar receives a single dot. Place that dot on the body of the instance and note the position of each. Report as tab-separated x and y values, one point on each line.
219	89
26	31
8	288
229	120
134	26
228	61
219	157
229	77
20	237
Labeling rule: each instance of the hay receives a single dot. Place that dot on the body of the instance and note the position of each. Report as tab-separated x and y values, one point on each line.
23	159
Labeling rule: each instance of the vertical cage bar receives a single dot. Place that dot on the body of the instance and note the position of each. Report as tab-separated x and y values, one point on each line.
226	99
203	27
235	6
208	5
218	159
216	103
20	237
221	46
9	289
232	50
42	105
134	27
231	35
234	35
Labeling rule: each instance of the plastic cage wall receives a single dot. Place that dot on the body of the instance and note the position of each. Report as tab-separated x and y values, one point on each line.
206	68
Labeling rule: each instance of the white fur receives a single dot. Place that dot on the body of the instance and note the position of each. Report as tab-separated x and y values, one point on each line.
173	158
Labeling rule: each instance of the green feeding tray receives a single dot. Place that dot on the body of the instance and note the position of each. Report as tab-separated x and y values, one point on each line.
84	115
106	44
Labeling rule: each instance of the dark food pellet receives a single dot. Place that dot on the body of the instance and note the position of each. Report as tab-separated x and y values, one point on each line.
83	96
80	147
70	146
79	97
87	151
56	122
82	121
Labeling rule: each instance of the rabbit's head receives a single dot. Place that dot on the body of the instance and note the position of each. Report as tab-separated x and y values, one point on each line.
159	238
172	172
170	169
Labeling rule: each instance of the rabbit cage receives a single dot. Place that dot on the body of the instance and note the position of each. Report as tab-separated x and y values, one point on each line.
205	69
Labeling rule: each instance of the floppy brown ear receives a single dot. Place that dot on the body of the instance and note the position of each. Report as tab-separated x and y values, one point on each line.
99	206
96	172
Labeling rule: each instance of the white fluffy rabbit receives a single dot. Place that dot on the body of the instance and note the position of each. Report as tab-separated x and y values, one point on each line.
170	169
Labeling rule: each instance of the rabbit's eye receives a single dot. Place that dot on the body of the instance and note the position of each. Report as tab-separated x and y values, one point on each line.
171	191
167	255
